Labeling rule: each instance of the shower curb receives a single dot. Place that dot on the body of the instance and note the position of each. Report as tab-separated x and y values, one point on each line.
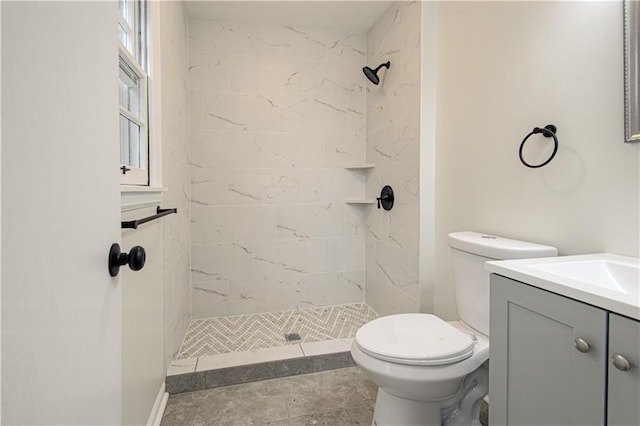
213	378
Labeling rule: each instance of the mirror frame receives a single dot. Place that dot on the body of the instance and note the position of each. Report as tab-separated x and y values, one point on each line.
631	95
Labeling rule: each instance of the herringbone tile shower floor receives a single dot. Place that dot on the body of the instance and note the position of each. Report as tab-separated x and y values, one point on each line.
237	333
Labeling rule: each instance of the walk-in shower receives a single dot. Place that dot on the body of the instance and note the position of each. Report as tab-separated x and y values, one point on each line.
284	233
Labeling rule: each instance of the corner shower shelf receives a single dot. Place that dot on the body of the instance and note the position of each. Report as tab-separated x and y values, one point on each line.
360	201
361	166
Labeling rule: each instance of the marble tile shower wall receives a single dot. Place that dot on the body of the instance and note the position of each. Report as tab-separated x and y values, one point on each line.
176	171
393	138
276	114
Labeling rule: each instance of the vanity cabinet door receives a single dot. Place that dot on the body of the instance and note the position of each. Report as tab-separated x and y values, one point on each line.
624	372
547	359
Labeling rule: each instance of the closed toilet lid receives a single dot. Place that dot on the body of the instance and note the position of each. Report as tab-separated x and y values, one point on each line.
415	339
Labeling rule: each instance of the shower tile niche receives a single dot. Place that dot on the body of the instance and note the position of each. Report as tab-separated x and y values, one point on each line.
277	112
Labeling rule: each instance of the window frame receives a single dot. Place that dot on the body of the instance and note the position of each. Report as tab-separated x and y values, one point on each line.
137	59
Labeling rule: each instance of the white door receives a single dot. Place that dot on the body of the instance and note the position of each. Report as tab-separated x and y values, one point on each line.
61	311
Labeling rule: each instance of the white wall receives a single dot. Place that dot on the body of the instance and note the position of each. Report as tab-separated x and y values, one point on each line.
143	366
61	316
428	85
0	226
176	176
155	316
504	68
276	112
393	144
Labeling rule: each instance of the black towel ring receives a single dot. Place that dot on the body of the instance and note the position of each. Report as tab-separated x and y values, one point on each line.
549	131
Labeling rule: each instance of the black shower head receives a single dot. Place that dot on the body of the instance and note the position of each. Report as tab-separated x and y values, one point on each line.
372	75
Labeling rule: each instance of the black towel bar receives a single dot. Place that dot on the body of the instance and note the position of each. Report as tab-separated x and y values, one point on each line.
133	224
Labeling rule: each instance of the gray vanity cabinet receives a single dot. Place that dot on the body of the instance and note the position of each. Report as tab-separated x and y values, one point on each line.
623	398
547	363
558	361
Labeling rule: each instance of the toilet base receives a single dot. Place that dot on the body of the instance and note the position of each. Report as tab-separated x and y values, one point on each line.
463	409
392	411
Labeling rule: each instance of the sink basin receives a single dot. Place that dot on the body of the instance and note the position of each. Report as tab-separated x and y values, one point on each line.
606	280
614	275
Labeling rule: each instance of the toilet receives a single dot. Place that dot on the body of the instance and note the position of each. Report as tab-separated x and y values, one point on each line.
430	371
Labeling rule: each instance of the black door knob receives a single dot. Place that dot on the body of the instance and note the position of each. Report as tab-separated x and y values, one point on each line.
135	259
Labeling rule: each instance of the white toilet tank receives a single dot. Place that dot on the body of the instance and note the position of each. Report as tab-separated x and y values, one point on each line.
470	251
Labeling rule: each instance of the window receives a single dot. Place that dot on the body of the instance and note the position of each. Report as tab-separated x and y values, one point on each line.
134	99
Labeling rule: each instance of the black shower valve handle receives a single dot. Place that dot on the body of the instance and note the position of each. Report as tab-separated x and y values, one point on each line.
386	198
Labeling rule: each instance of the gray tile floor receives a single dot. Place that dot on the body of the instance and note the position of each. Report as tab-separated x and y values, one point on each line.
336	397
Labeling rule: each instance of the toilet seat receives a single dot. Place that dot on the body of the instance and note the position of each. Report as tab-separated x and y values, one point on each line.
414	339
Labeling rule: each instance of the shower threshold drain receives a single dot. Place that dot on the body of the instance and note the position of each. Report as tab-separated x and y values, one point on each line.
292	337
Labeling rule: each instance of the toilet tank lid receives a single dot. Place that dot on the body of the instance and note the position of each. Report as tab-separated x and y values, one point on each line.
499	248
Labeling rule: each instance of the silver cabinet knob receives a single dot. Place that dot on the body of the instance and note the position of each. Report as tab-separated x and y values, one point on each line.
581	345
620	362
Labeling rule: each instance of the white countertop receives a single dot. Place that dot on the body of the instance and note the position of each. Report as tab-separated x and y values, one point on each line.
572	285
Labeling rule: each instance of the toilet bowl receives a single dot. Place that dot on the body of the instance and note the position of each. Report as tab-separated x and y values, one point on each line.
433	372
420	380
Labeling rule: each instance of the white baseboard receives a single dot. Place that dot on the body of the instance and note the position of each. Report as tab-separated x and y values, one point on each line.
158	407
